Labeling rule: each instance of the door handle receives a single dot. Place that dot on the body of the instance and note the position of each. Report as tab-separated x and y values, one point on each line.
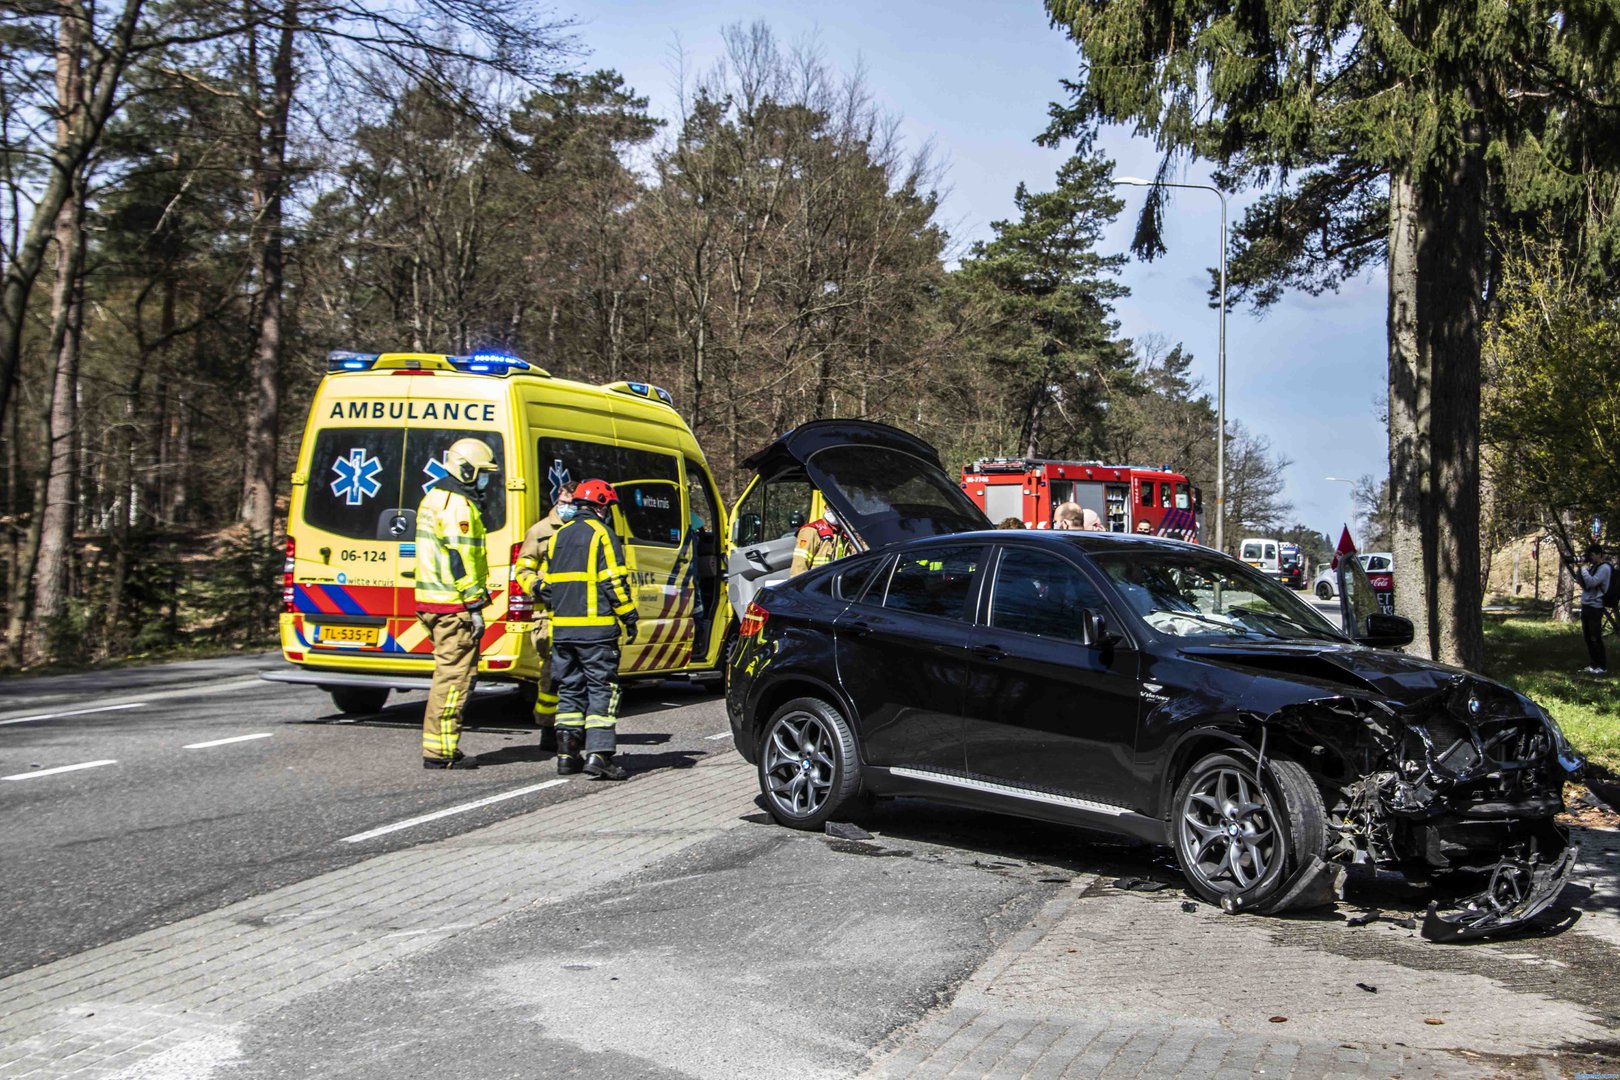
859	629
988	652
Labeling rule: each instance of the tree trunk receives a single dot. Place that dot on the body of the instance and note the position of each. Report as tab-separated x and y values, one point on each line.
56	512
23	574
264	410
1454	262
1409	420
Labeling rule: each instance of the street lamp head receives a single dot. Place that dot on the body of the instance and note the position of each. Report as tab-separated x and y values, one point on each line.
1340	479
1135	181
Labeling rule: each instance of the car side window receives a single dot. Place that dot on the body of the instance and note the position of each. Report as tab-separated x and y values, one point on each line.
1036	592
935	581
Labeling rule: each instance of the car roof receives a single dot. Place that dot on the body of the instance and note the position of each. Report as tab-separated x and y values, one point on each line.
1093	543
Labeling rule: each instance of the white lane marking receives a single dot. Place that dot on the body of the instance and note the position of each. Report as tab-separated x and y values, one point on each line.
437	814
58	769
721	735
73	712
222	742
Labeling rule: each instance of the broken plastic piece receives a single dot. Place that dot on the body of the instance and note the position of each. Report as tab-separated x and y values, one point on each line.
1518	892
1363	919
843	830
1369	987
1139	884
1188	905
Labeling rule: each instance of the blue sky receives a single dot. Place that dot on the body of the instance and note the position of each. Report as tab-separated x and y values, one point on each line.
975	77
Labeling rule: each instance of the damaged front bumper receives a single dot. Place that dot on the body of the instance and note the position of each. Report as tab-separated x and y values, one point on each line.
1468	778
1519	890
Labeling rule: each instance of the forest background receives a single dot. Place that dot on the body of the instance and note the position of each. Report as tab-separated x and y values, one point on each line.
198	200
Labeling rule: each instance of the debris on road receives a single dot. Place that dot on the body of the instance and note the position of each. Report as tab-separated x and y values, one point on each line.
1364	918
1188	906
844	830
1139	884
1371	989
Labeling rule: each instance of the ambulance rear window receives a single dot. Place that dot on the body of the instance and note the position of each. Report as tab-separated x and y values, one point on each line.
361	479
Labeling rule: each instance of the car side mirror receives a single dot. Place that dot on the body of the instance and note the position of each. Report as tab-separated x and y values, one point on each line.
1386	631
1094	626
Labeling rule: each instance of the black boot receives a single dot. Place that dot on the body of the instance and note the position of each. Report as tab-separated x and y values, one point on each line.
602	767
459	762
569	745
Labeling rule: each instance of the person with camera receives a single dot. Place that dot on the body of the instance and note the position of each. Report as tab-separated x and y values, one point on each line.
1594	579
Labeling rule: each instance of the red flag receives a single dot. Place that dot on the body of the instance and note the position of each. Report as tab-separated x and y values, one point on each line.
1347	546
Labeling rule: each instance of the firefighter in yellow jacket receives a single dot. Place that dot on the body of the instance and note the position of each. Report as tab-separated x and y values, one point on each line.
452	571
527	572
585	584
820	542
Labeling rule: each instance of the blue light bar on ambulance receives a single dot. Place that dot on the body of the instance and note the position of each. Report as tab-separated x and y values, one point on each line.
489	363
644	390
341	360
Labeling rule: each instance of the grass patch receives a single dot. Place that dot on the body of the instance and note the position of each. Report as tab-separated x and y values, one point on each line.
1543	659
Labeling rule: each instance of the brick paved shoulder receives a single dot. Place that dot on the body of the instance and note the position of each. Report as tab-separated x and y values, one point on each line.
1111	984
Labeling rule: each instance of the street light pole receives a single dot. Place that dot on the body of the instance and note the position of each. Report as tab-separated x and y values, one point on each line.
1220	378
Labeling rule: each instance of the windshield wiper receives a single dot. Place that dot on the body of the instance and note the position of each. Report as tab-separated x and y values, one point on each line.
1275	618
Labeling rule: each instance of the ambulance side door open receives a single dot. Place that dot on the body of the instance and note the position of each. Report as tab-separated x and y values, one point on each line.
764	528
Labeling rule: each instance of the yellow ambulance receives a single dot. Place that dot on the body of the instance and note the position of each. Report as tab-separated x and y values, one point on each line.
374	446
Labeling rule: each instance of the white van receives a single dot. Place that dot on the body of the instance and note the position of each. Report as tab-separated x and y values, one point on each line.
1262	554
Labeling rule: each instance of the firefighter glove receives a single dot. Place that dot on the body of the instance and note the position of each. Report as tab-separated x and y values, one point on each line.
630	629
478	624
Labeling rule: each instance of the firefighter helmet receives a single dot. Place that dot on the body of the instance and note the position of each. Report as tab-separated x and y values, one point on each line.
596	493
466	458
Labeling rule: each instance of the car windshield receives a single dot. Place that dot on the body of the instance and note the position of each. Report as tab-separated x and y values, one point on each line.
1203	594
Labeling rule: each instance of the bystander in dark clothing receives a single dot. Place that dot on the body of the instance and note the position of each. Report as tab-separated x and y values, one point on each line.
1593	579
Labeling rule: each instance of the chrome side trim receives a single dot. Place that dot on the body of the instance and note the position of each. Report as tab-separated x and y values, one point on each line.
994	788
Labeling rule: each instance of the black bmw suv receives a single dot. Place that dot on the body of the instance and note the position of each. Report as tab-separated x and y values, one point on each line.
1144	686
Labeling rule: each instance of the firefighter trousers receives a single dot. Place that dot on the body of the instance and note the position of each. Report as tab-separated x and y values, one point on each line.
545	699
455	660
587	675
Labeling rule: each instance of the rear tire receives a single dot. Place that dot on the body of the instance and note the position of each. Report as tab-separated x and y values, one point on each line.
809	768
359	699
1236	838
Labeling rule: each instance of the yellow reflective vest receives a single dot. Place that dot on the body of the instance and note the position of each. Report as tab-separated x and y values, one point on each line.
452	565
587	585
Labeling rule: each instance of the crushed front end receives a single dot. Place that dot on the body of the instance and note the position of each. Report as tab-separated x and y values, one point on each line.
1467	779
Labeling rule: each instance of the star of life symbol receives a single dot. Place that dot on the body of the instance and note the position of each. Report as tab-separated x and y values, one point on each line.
436	472
356	477
558	475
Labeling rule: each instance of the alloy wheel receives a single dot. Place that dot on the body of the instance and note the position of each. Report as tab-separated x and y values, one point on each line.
799	763
1229	831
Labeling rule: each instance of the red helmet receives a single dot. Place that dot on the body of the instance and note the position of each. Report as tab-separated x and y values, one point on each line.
596	492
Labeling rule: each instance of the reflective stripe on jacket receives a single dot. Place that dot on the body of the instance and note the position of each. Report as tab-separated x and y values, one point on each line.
452	565
586	581
817	544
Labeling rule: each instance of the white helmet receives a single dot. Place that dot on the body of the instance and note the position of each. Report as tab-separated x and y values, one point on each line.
468	458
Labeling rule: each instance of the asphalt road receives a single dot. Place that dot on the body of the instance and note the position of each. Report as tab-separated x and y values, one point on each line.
127	802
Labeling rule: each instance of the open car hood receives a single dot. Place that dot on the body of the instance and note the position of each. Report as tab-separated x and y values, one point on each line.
886	484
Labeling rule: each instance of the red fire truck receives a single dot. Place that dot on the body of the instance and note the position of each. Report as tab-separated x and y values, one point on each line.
1128	498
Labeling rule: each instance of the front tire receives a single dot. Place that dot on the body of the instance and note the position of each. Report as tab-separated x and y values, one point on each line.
359	699
1240	839
809	769
1324	590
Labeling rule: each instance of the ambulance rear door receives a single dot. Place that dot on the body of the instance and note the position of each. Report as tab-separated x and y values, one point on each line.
440	414
652	521
347	555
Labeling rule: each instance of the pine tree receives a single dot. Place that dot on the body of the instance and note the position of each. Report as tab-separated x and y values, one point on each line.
1383	132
